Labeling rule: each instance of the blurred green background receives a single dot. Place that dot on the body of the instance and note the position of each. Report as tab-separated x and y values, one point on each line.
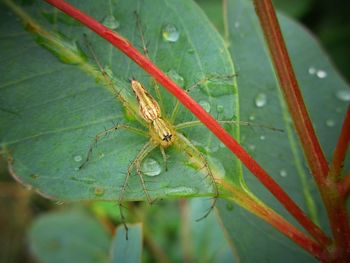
330	23
328	20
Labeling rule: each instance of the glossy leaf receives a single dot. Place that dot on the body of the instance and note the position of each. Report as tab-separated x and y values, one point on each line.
127	250
69	236
280	154
54	99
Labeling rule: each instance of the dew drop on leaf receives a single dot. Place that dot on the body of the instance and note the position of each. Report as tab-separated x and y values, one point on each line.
262	137
283	173
343	95
176	77
217	167
321	74
180	191
150	167
78	158
99	191
205	105
220	108
170	33
111	22
229	207
260	100
251	147
330	123
312	70
191	51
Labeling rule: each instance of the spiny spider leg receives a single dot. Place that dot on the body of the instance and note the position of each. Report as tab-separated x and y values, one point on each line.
192	151
190	124
145	51
196	84
165	158
100	135
136	163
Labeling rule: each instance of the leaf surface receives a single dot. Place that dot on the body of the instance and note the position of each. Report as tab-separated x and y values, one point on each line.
54	99
280	154
69	236
127	250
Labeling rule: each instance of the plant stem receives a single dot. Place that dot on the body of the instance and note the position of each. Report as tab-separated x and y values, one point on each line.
278	222
346	186
126	47
290	88
328	188
341	148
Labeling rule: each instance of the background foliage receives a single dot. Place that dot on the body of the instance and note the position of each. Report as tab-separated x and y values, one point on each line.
328	21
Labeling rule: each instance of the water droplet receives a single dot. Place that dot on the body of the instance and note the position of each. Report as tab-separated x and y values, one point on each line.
181	191
343	95
101	155
176	77
283	173
205	105
330	123
78	158
251	147
150	167
111	22
191	51
252	117
321	74
217	167
312	70
220	108
99	191
28	187
237	24
212	148
229	207
262	137
217	85
34	176
170	33
260	100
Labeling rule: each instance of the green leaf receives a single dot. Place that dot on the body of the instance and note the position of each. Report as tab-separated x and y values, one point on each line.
296	8
127	250
280	154
208	239
54	100
69	236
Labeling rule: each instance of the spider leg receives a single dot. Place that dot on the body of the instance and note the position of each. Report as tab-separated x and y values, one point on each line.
136	164
165	158
202	162
101	135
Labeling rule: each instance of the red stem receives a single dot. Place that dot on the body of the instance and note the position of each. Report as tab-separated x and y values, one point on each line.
341	148
328	188
123	45
346	186
278	222
290	88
